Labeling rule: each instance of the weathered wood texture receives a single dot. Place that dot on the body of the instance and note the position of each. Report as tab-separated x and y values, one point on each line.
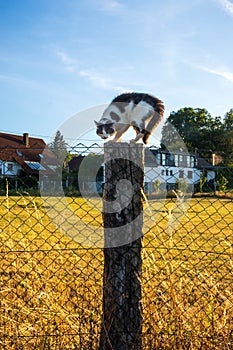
123	220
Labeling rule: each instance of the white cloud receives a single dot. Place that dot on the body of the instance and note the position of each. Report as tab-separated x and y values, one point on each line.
66	58
91	75
95	78
222	72
69	62
118	82
99	80
110	5
227	5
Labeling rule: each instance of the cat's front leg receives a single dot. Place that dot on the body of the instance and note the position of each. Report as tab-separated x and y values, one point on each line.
137	138
120	130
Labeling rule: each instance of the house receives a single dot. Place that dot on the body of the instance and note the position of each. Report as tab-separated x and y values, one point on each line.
22	155
162	167
74	163
175	169
163	171
169	169
86	172
206	168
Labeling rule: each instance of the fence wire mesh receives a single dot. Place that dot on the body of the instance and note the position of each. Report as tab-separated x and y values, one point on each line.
51	267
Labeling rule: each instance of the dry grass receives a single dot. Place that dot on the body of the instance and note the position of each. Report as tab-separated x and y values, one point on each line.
188	298
51	286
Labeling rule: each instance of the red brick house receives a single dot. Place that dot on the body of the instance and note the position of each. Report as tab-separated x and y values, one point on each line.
22	155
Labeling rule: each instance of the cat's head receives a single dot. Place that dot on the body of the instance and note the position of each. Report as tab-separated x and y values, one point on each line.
104	130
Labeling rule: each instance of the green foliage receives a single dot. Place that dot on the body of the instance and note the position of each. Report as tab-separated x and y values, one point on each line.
193	126
156	185
182	185
26	184
222	183
202	181
226	140
199	130
226	172
59	147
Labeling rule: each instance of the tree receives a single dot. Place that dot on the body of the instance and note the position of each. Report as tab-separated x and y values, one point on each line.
226	138
59	147
195	127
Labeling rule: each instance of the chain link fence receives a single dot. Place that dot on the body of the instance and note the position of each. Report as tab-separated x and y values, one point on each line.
52	261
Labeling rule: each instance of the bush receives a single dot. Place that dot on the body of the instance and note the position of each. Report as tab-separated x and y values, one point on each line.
222	183
227	173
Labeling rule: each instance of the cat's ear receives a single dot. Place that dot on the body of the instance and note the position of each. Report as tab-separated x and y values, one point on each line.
96	123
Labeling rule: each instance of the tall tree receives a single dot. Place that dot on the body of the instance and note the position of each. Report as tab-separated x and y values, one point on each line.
195	127
59	148
226	138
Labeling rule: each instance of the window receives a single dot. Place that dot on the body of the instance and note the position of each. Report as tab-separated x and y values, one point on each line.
163	159
171	160
158	158
176	160
181	174
34	165
190	174
9	167
171	173
192	159
181	160
162	172
167	172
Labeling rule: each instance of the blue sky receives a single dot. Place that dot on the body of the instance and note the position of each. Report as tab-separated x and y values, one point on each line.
61	57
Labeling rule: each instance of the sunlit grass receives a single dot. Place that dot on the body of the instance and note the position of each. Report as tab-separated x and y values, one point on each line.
51	285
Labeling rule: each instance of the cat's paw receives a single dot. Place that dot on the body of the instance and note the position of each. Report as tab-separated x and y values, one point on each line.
111	141
136	140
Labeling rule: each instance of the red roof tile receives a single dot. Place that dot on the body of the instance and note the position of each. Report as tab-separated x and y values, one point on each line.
13	149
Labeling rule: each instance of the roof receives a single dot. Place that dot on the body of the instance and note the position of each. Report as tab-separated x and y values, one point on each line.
28	152
75	163
204	163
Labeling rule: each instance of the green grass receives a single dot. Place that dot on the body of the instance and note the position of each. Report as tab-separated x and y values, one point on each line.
51	285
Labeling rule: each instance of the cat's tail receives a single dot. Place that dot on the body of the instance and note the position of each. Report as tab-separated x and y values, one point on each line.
154	121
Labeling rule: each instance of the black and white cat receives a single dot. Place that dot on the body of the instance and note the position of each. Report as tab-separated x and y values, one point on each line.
140	110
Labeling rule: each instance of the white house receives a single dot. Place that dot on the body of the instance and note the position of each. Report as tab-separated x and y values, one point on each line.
167	170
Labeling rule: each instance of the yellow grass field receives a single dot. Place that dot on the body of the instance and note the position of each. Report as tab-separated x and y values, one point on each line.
51	285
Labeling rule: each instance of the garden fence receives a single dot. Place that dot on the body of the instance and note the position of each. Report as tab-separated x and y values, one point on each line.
52	253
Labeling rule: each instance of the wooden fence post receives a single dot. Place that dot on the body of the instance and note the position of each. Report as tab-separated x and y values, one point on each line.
123	220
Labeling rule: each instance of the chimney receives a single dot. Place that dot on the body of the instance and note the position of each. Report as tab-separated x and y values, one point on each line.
26	139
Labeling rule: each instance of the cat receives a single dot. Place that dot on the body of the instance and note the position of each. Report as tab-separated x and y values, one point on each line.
140	110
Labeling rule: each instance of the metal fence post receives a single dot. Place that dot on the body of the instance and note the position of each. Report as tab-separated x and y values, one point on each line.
123	220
